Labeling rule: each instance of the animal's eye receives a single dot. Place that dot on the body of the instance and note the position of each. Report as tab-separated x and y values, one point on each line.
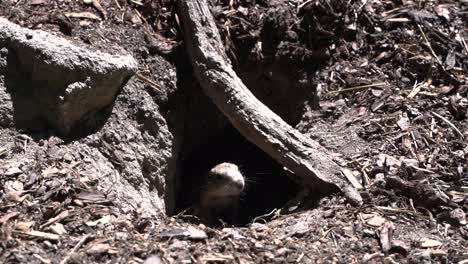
216	177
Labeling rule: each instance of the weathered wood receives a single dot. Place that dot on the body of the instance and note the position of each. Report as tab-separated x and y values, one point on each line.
307	159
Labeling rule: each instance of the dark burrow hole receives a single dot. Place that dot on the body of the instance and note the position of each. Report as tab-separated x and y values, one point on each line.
267	186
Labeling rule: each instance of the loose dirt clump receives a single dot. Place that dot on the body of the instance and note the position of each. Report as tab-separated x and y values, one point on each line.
383	84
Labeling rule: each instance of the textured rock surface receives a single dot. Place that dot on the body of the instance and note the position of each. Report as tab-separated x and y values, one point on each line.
131	158
122	140
61	82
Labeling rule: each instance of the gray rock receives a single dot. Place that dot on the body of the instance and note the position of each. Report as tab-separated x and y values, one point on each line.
51	79
131	152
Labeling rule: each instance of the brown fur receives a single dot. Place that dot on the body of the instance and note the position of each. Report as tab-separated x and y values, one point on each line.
220	194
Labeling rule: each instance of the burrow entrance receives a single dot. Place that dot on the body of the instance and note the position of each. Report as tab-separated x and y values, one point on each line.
267	186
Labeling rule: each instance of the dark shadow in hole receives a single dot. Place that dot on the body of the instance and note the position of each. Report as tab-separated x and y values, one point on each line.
90	123
267	186
25	112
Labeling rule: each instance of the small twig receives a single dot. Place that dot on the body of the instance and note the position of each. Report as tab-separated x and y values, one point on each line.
449	123
462	42
325	234
414	139
399	19
422	169
365	179
300	257
41	259
334	239
141	17
186	212
418	86
148	81
118	5
137	2
99	7
397	11
262	216
77	246
351	178
362	87
412	205
55	219
303	5
430	47
465	45
393	210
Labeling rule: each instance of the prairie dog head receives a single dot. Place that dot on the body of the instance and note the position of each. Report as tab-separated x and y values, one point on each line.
223	180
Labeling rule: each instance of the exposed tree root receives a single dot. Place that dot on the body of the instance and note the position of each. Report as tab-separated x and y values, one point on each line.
307	159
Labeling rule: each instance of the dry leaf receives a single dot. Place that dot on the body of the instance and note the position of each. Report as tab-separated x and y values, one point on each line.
43	260
24	226
404	123
104	220
190	232
243	10
428	243
58	229
153	260
85	23
43	235
376	221
88	15
37	2
437	252
50	171
441	10
13	186
13	171
216	257
386	236
8	216
57	218
196	234
100	247
14	197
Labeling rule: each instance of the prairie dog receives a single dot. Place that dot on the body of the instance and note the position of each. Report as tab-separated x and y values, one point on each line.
219	196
